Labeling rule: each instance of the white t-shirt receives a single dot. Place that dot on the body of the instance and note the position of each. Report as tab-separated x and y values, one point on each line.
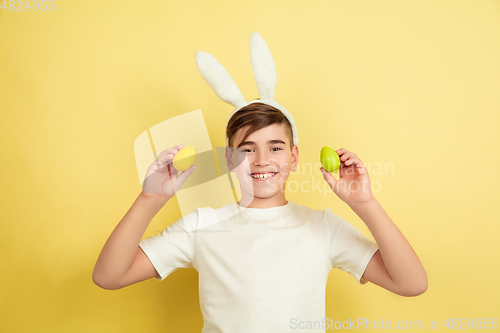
261	270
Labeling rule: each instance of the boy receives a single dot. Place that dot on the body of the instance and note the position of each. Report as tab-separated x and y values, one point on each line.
263	262
268	264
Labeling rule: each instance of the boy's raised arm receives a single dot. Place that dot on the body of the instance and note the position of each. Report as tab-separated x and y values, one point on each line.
120	249
395	266
121	261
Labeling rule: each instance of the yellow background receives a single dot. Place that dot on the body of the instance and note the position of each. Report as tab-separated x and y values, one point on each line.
412	84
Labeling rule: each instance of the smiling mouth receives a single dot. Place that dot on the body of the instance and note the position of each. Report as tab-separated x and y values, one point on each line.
263	179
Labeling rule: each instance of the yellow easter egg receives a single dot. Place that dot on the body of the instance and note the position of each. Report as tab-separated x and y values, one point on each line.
184	158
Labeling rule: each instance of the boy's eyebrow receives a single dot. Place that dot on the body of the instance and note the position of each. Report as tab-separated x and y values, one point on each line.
270	142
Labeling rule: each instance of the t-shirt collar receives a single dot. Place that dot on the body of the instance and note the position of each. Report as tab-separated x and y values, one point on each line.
263	212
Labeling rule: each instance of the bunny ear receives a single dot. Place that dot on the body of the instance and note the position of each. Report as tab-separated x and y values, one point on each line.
264	69
219	79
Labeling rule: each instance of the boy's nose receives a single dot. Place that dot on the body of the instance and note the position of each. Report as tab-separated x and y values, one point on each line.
262	159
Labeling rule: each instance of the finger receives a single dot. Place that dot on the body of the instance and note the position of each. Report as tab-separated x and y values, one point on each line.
353	160
173	150
167	155
161	155
328	177
347	156
344	156
342	151
358	164
185	174
165	158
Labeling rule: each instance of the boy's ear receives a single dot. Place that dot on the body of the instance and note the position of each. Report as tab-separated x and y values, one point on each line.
234	158
229	158
295	158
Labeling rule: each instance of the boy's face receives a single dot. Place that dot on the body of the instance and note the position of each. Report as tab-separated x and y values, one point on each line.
265	152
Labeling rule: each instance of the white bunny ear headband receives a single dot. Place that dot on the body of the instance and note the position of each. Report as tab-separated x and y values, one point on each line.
264	72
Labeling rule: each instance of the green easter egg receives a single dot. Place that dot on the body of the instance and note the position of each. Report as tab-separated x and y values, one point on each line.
329	159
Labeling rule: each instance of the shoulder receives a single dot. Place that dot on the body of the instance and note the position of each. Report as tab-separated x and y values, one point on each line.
210	213
302	209
203	217
319	215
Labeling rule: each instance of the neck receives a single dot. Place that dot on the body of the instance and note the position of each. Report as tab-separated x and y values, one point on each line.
248	201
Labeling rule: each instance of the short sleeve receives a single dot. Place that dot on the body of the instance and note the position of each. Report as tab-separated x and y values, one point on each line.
350	250
173	248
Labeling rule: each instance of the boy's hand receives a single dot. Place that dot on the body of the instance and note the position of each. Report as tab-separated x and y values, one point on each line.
162	179
353	185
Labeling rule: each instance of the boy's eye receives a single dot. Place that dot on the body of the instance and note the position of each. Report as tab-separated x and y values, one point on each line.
246	150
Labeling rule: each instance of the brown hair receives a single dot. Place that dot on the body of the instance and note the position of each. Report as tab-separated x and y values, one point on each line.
256	116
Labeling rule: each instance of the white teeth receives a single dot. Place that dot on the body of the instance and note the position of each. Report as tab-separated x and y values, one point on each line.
263	176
